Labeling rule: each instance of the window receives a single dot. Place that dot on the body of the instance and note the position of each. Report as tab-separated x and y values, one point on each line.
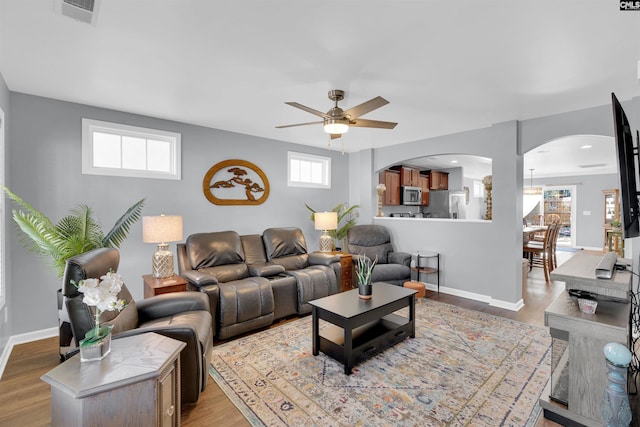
121	150
307	170
478	189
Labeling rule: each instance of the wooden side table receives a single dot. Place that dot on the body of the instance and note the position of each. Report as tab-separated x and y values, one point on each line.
138	383
346	265
154	286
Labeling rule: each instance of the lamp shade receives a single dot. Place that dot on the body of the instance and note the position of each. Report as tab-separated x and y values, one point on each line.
161	228
326	220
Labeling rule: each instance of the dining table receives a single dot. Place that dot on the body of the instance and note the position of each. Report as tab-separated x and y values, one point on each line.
529	231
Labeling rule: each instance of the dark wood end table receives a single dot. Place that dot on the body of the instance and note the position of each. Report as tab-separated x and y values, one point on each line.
154	286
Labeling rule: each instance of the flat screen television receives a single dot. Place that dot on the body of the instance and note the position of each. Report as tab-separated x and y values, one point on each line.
627	171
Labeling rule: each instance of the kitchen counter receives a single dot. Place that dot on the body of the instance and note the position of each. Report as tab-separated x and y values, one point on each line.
388	218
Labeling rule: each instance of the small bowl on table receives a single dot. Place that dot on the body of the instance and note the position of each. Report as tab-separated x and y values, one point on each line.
587	305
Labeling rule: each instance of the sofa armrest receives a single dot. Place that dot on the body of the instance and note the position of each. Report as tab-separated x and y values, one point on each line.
400	258
265	269
168	304
319	258
199	279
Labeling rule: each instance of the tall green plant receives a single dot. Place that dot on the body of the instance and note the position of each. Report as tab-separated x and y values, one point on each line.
347	214
76	233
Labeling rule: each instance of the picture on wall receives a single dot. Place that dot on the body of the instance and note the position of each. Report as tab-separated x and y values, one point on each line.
235	182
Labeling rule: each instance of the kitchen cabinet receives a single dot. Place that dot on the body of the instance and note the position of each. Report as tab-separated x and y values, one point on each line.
391	180
424	184
438	180
409	176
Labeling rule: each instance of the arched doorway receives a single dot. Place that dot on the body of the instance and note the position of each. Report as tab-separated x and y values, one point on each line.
568	176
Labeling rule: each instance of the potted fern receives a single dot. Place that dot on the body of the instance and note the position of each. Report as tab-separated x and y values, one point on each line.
75	234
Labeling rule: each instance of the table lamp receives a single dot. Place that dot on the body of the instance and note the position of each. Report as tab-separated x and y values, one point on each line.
162	229
326	221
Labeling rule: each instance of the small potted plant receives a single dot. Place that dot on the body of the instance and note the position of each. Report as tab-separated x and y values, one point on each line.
364	270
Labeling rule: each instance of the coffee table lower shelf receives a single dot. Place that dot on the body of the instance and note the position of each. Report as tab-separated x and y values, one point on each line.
367	340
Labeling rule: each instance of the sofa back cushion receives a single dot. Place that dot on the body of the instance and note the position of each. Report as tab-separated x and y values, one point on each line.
213	249
372	241
218	253
286	247
253	249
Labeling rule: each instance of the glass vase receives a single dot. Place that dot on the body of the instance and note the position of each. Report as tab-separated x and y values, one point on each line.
96	345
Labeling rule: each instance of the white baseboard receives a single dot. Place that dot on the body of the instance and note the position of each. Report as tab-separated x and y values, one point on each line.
21	339
513	306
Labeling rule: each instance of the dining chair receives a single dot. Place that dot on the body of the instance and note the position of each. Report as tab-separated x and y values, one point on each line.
542	254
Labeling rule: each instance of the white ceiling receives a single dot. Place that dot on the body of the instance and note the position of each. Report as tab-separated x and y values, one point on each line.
444	66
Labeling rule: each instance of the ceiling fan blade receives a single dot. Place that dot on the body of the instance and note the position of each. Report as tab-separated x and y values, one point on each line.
300	124
335	135
307	109
365	107
364	123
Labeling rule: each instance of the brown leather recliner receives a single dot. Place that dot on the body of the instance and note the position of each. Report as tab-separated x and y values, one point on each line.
183	316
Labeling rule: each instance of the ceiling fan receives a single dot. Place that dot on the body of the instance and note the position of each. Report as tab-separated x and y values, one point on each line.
337	121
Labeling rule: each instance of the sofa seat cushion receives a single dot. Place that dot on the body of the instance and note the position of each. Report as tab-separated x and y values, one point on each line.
227	273
396	274
244	305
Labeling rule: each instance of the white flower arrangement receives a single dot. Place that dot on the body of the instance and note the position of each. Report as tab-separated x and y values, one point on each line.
103	295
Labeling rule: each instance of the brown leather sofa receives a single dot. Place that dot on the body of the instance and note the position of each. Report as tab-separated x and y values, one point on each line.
254	280
184	316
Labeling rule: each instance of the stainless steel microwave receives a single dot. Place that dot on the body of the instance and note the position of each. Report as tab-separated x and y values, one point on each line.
411	195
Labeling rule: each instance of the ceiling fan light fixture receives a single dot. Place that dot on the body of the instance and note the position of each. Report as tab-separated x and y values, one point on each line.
336	126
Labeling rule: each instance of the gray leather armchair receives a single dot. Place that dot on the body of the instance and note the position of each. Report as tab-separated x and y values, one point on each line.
374	242
183	316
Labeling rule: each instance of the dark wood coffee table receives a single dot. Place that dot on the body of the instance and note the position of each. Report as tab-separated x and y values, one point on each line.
362	328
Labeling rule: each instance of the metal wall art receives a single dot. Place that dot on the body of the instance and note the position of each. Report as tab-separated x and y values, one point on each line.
235	182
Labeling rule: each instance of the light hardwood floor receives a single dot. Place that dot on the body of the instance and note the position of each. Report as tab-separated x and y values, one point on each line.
25	399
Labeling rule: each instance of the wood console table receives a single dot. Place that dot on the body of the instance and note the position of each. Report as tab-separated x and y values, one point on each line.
138	383
578	366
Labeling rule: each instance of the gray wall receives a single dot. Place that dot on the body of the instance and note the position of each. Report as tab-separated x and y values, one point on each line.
45	141
468	267
5	323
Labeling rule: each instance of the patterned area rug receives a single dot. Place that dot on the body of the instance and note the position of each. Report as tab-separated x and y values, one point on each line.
463	368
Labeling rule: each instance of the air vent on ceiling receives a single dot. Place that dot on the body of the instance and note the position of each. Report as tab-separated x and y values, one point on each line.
81	10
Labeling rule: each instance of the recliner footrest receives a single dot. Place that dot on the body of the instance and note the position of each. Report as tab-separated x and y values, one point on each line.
244	305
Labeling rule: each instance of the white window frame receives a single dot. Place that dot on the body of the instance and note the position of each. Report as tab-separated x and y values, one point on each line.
90	126
325	163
